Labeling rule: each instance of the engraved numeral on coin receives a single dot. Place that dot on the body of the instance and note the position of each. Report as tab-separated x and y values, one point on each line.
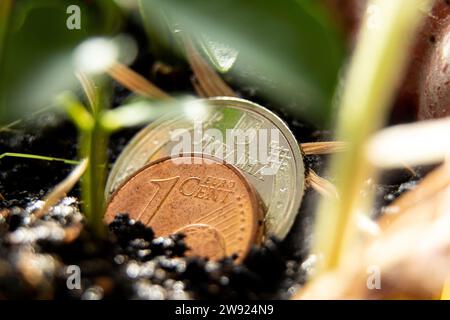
164	187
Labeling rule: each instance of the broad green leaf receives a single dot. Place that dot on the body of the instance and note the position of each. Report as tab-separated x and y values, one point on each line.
160	30
288	49
221	55
36	62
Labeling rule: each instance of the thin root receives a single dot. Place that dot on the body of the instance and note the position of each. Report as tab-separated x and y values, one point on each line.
198	88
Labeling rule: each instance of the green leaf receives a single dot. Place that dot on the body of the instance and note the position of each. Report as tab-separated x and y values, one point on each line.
37	157
222	56
160	30
288	49
77	112
139	112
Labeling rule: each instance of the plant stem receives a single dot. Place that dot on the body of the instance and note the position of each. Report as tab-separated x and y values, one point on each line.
376	68
94	146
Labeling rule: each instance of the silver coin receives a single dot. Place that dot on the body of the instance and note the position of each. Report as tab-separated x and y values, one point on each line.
278	176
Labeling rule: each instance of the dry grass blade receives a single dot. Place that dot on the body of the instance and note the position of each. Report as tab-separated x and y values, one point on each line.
410	169
62	188
321	185
327	189
325	147
209	83
411	255
2	198
135	82
89	89
199	89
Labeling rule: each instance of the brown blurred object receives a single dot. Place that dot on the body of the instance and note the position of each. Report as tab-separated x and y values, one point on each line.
135	82
435	86
411	254
424	92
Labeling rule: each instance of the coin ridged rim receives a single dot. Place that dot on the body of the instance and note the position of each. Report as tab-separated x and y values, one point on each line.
296	152
281	229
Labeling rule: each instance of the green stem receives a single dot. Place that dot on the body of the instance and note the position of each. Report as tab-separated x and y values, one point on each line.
94	146
376	67
93	143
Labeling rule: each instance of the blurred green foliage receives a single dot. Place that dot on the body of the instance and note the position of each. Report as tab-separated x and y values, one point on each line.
36	50
289	49
95	124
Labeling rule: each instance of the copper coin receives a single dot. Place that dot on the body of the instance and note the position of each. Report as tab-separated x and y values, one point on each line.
173	193
204	240
280	192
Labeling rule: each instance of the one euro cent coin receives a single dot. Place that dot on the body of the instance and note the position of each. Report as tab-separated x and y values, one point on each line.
280	191
210	201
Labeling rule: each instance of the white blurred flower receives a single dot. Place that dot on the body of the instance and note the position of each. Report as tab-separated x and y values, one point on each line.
96	55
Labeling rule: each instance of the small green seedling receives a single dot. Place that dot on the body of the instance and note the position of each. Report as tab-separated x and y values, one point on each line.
95	124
